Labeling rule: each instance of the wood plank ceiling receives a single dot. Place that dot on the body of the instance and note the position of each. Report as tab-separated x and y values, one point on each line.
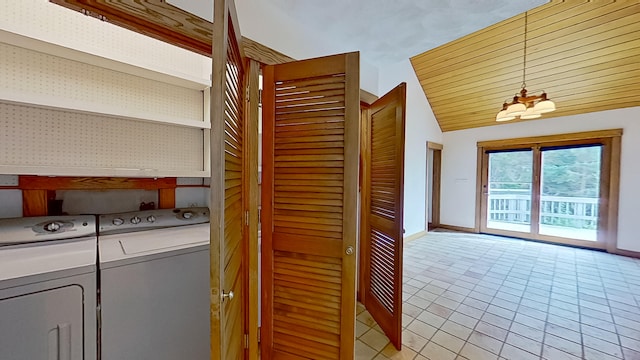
585	55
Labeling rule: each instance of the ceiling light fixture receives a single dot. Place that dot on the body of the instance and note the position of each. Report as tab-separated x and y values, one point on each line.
523	106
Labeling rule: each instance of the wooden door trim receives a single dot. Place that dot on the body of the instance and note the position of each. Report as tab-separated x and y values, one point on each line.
435	182
434	145
536	181
481	175
532	140
268	124
217	172
251	205
350	210
365	200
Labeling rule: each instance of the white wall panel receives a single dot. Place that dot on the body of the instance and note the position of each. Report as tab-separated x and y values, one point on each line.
10	203
50	138
43	79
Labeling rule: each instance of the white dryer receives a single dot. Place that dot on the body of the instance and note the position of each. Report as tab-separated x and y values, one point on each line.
48	288
154	285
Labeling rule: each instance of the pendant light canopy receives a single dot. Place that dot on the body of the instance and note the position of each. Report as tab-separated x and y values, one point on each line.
523	106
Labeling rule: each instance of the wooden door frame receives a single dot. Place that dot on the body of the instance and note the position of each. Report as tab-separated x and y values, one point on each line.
252	252
365	156
609	183
435	183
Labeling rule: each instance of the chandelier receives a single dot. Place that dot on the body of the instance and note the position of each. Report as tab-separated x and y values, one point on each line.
523	105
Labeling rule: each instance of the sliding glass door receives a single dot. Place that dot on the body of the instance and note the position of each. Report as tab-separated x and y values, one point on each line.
570	192
509	194
553	189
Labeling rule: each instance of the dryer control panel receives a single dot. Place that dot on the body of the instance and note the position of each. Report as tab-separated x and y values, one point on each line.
151	219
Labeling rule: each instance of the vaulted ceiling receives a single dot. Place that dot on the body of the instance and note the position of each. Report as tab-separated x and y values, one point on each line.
585	55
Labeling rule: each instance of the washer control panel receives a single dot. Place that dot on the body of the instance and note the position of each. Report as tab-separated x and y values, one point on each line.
151	219
45	228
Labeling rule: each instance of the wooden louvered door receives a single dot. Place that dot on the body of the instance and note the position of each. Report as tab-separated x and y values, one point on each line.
231	162
382	211
309	208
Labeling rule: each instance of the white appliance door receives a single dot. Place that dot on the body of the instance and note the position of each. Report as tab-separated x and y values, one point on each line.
157	309
45	325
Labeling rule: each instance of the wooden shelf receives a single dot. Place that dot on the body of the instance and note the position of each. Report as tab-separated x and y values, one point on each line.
63	104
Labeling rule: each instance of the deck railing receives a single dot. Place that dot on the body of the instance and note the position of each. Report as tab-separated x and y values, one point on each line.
574	212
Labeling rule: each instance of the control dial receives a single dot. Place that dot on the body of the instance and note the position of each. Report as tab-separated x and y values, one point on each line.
117	221
187	215
52	227
151	218
135	220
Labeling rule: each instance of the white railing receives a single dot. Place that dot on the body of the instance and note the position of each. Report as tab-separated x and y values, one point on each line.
575	212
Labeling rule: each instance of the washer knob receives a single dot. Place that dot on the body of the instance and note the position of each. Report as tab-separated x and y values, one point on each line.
135	220
187	215
117	221
151	218
52	227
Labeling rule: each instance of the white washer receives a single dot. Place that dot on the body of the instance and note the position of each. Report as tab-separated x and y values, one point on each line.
48	288
154	285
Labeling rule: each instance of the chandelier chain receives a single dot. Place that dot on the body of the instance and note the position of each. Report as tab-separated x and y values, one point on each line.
524	62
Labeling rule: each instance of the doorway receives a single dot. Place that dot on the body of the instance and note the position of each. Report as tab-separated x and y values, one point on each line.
560	189
434	170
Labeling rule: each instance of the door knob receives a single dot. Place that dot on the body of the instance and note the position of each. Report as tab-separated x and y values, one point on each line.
228	295
349	250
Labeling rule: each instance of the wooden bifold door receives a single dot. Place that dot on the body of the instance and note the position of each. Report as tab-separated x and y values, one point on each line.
309	208
382	195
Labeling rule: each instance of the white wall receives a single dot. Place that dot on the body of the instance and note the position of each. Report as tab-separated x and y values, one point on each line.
421	126
460	156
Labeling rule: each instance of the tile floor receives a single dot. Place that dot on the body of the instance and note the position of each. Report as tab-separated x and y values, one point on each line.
470	296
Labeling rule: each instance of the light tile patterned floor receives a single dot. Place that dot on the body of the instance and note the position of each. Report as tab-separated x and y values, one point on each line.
470	296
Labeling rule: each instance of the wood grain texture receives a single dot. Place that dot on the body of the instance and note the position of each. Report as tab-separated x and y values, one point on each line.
28	182
309	189
383	191
154	18
531	140
34	203
583	54
166	198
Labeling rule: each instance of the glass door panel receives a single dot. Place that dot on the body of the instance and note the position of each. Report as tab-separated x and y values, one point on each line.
509	192
569	192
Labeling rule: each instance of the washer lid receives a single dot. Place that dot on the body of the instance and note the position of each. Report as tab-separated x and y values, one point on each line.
47	257
131	245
